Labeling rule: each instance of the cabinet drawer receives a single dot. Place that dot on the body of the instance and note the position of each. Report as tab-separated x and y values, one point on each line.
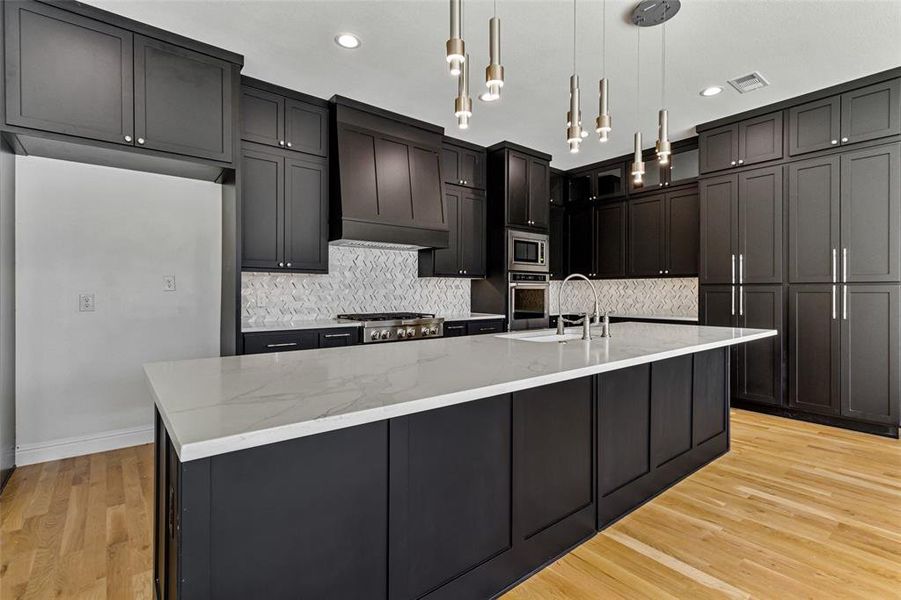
483	327
455	329
333	338
280	341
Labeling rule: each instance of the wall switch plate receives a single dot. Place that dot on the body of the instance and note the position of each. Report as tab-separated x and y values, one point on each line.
85	302
169	283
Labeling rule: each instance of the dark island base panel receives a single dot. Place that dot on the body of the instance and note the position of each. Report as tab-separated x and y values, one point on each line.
458	502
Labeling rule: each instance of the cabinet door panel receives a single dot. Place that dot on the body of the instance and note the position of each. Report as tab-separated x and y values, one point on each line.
872	112
473	234
68	74
813	348
719	229
539	192
517	189
718	148
580	187
392	168
262	117
306	214
871	213
717	305
814	126
759	363
813	220
682	233
450	494
609	240
425	182
450	166
473	169
447	260
760	226
871	342
306	127
557	243
709	414
262	206
608	182
671	403
624	412
581	239
359	195
554	432
760	139
646	236
193	119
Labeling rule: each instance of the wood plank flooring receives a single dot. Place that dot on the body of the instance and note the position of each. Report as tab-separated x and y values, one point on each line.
794	511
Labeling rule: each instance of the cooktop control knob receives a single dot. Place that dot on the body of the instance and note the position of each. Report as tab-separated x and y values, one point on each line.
374	335
411	332
433	331
401	333
385	334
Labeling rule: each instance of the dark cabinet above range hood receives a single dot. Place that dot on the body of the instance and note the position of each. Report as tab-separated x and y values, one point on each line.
386	180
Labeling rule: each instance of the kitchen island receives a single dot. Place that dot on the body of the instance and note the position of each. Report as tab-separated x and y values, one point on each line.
442	468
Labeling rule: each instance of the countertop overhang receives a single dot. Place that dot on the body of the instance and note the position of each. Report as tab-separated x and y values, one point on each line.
216	405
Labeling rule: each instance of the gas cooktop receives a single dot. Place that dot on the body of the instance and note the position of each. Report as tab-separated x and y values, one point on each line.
396	326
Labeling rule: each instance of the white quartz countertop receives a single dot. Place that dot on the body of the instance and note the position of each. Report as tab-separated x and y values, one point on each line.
217	405
247	327
650	317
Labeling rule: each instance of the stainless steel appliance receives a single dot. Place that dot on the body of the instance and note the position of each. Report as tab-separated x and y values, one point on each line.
527	251
529	300
396	326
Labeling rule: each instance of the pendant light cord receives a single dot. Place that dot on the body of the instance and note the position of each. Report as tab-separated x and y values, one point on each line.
638	76
604	38
663	71
574	37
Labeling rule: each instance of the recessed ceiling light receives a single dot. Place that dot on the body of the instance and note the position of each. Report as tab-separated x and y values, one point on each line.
713	90
347	40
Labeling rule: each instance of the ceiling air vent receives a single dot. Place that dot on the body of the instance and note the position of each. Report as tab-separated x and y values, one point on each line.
749	83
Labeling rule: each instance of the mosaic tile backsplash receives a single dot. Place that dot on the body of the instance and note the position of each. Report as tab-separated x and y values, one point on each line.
359	280
674	297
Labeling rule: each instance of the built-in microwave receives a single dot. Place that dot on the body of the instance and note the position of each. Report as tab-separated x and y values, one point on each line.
526	251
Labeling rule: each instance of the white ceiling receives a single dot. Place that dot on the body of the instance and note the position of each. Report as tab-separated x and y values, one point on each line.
798	45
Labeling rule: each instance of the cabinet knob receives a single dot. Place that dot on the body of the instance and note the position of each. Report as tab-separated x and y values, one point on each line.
844	139
464	271
741	161
290	145
289	264
281	264
127	138
834	142
660	272
732	163
281	142
140	140
666	271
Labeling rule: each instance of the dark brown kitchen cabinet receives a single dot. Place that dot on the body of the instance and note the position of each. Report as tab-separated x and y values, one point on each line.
741	227
647	236
580	239
814	126
760	139
608	241
170	116
814	372
483	327
276	120
465	255
284	211
871	112
718	229
682	232
463	166
580	187
716	305
48	86
609	182
718	148
558	187
522	181
871	214
300	339
870	347
759	364
744	143
813	220
454	329
557	241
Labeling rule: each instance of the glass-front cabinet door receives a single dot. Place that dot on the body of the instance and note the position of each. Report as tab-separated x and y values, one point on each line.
608	182
683	166
580	187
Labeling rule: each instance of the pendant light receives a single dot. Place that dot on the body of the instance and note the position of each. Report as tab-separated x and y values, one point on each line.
663	145
494	72
574	132
463	102
603	122
637	164
455	47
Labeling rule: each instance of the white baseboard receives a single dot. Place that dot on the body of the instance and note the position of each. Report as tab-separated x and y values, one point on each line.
29	454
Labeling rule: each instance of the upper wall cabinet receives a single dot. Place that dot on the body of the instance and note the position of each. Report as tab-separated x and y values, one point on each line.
463	166
745	143
521	181
73	75
276	120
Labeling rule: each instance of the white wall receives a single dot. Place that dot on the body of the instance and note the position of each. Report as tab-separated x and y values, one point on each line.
85	229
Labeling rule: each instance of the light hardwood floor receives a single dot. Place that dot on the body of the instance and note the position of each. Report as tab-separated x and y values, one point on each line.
793	511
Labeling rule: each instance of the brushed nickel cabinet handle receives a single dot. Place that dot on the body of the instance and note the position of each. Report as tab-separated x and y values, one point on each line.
845	265
833	301
732	289
741	301
282	345
733	274
845	303
834	269
741	269
336	335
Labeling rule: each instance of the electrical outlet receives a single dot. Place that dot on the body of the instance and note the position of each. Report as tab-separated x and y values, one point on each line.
85	302
169	283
